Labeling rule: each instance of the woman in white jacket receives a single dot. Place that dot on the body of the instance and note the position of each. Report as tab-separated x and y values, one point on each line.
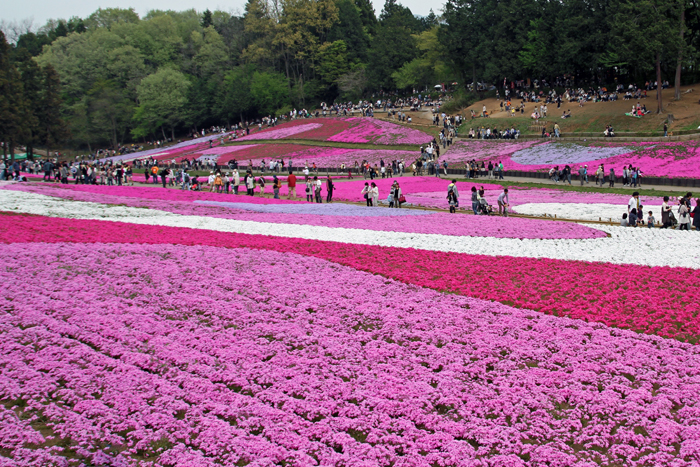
374	194
236	181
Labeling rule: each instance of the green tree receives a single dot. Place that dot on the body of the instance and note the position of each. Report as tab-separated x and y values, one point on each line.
238	101
350	30
646	31
162	102
52	128
32	84
269	92
207	19
12	104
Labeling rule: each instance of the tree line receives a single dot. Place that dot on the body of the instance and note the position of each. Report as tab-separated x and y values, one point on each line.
125	78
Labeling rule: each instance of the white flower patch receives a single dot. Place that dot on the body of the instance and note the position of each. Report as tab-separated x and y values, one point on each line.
583	211
641	246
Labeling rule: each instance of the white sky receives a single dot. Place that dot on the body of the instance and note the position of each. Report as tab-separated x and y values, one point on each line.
42	10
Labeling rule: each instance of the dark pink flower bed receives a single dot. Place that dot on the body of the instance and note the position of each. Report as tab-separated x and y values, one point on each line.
653	300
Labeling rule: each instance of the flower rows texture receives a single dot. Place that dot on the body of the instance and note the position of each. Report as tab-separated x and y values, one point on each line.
171	362
675	160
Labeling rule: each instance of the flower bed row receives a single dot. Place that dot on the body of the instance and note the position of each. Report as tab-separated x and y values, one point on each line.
345	130
623	245
676	160
174	362
331	215
654	300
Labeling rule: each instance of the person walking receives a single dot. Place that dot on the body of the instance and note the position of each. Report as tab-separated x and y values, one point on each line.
317	189
475	201
503	203
612	177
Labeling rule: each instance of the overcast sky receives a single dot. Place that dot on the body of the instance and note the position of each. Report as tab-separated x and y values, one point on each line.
42	10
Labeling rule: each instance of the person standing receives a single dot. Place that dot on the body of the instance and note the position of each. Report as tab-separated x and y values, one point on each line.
309	190
374	191
696	215
503	203
475	201
317	185
453	196
398	194
329	189
261	184
500	170
366	194
292	186
236	181
276	185
612	177
164	175
633	203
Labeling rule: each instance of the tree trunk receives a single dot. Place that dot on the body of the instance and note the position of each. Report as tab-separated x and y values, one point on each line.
172	133
162	130
659	101
677	84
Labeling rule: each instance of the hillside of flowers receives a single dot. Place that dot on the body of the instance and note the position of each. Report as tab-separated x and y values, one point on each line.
344	130
322	156
673	160
159	327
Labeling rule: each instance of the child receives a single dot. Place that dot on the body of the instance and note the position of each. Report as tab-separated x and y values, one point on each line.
390	199
650	220
624	222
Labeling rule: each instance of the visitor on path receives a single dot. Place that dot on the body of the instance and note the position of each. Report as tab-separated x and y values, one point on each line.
309	190
397	194
329	189
633	218
236	181
250	183
581	174
317	185
667	217
164	176
276	185
453	196
633	203
696	214
475	201
374	192
683	215
566	174
503	203
261	184
292	186
612	177
500	170
366	193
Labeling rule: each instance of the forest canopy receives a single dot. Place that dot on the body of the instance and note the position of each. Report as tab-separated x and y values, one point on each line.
118	77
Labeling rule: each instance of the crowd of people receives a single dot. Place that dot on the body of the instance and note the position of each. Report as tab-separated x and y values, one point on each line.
688	216
631	176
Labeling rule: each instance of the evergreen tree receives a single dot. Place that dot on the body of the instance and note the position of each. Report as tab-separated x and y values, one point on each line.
52	129
12	104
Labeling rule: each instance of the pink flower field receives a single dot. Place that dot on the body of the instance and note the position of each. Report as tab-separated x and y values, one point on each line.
132	342
239	375
344	130
673	160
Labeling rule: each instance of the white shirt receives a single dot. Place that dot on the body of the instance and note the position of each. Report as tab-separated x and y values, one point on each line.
632	204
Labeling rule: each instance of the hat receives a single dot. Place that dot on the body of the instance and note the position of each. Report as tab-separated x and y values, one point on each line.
211	171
